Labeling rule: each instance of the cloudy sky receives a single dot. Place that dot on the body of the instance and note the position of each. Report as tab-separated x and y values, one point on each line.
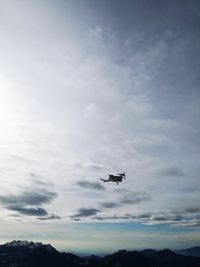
92	87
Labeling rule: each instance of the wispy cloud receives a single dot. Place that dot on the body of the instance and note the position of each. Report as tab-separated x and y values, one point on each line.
171	172
83	212
127	198
28	211
50	217
135	197
90	185
125	217
110	205
40	181
27	201
184	218
29	197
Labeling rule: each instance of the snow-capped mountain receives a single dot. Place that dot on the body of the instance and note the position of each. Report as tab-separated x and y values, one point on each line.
28	245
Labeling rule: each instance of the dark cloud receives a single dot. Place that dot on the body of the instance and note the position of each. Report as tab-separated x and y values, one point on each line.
135	197
50	217
140	216
34	211
127	197
123	217
192	210
109	205
27	202
160	218
187	217
171	171
77	219
178	216
82	213
112	217
29	198
90	185
169	218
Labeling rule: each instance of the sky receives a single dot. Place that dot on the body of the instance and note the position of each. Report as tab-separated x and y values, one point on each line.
89	88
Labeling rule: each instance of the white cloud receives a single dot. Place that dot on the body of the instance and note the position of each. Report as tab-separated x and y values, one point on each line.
97	32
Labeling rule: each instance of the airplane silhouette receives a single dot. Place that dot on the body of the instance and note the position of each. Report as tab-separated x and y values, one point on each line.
115	178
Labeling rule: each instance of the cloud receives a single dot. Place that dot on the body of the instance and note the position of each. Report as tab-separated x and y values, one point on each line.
127	198
90	185
111	217
135	197
30	198
110	205
160	218
187	217
34	211
171	171
50	217
97	33
192	210
82	213
26	202
140	216
39	180
127	216
176	218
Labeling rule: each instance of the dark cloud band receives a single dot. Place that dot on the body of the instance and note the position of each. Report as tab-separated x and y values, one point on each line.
27	202
29	211
31	198
82	213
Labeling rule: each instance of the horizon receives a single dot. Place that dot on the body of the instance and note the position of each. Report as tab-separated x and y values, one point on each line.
91	88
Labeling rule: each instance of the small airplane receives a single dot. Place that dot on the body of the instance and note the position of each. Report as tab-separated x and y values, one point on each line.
115	178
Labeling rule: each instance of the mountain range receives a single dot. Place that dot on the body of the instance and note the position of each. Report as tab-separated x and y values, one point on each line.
194	251
31	254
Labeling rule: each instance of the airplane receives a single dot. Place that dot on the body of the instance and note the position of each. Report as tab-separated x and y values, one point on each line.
115	178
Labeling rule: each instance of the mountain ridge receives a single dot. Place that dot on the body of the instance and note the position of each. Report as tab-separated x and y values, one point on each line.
20	253
193	251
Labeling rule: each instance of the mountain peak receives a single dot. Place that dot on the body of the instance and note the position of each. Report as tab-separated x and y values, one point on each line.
29	245
22	243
